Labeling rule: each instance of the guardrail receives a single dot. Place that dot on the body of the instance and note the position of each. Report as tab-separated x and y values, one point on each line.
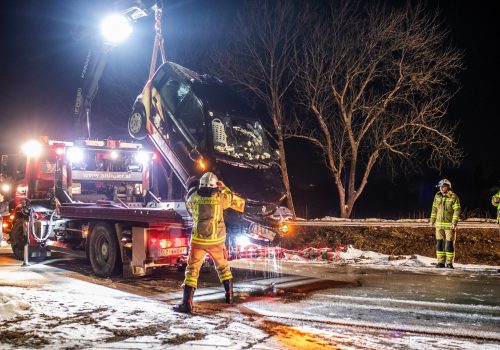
390	223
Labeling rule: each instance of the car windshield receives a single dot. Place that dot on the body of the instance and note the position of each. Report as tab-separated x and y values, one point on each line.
240	139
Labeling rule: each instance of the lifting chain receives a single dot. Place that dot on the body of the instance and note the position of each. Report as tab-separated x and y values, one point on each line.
158	43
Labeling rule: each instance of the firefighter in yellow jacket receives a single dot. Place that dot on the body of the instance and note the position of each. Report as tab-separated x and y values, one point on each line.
495	200
445	215
207	205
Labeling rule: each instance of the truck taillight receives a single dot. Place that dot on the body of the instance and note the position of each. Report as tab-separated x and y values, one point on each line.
59	151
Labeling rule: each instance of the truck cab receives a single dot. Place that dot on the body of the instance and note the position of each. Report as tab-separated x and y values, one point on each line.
92	198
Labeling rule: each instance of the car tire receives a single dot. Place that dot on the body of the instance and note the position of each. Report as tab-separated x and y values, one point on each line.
104	253
18	239
137	122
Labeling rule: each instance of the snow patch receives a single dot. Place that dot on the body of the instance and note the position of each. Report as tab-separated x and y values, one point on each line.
419	221
12	305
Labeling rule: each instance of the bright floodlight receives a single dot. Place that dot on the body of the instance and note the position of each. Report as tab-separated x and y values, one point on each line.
75	155
115	29
113	155
5	188
142	157
32	148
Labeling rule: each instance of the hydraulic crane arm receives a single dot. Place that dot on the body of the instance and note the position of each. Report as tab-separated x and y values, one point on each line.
96	59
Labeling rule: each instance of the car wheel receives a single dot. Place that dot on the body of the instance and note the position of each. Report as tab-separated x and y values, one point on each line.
137	122
103	251
18	239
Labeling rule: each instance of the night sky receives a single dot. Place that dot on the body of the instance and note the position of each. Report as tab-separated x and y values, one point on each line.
43	47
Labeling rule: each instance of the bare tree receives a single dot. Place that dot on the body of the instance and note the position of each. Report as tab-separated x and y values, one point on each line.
259	58
377	84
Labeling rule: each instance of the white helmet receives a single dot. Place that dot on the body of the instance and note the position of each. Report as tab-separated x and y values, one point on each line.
208	180
444	182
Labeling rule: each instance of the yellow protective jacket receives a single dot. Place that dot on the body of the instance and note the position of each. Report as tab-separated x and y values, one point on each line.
496	205
445	210
208	216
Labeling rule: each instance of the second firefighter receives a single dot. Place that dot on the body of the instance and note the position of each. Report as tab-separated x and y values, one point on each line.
444	216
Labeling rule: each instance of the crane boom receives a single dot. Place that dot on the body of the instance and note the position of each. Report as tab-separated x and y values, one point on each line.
96	60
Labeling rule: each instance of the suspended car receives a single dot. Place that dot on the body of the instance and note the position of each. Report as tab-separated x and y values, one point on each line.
198	124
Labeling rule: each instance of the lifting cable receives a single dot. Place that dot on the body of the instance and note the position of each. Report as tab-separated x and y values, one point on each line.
158	43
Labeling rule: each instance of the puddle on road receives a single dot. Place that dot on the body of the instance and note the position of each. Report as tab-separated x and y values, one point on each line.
293	338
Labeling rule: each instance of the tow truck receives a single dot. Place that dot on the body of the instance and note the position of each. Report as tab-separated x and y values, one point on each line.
121	223
140	235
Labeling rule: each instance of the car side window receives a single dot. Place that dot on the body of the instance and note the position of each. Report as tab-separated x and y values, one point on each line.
190	117
173	92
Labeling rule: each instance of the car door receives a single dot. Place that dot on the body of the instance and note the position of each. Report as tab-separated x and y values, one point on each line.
181	124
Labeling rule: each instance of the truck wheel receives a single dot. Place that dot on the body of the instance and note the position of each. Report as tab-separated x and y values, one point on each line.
18	239
103	251
137	122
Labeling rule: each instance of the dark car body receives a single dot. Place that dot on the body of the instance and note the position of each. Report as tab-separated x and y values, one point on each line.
199	124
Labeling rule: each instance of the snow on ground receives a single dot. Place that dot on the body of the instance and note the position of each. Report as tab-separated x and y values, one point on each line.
41	307
426	220
356	257
11	305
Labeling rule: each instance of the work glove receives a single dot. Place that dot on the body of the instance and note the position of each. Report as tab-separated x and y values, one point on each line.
496	199
431	223
453	226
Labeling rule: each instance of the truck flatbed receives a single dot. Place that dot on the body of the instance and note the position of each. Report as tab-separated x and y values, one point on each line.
108	211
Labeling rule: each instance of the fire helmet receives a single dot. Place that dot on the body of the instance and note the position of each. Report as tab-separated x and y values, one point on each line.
444	182
208	180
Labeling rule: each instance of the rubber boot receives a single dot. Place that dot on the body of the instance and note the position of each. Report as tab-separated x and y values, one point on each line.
186	306
449	266
440	265
228	287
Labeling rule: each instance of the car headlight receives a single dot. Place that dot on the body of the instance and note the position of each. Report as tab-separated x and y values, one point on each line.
75	155
284	228
242	241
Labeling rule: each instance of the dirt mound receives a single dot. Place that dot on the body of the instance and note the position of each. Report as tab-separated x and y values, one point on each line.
473	246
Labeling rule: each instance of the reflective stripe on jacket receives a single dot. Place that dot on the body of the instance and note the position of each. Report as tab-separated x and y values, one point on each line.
496	205
208	216
445	210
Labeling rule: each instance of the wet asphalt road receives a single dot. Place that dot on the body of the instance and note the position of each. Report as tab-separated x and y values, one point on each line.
449	309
